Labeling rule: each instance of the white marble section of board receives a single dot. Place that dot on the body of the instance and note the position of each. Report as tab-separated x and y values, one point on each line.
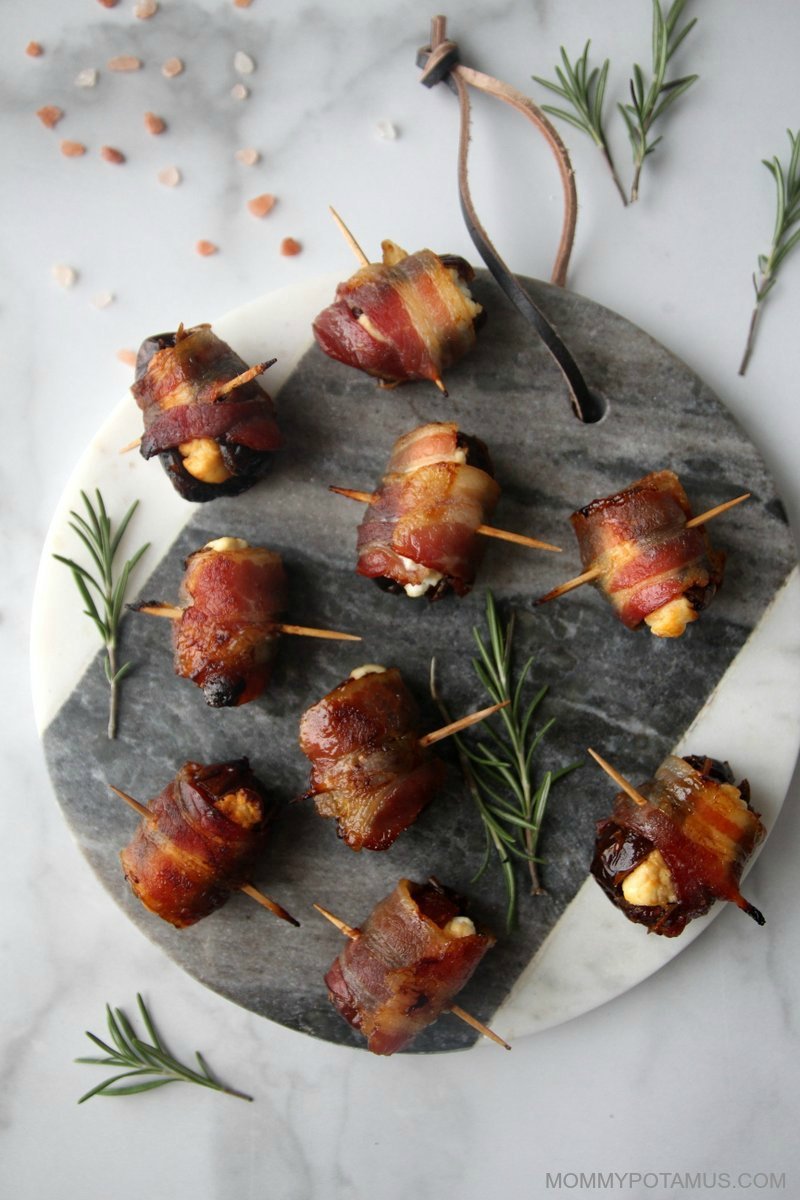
278	324
751	719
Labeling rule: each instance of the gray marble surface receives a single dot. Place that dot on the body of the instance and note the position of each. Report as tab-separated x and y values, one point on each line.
627	693
692	1071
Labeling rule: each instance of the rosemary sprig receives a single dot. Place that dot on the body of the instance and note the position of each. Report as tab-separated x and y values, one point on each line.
784	237
585	91
651	102
500	773
149	1064
95	531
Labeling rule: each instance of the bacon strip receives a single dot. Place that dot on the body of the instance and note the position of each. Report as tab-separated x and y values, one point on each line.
409	317
178	381
425	515
702	826
368	768
227	637
405	968
200	842
243	422
646	556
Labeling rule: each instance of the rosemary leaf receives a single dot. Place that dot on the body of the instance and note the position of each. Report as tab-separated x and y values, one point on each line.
99	1042
204	1067
784	237
151	1065
105	1088
486	859
145	1086
499	766
124	1048
95	532
123	525
87	537
149	1024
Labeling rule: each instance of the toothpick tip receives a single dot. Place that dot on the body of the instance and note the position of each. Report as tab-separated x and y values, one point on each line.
267	902
717	510
473	718
348	237
330	634
135	804
481	1027
618	779
342	926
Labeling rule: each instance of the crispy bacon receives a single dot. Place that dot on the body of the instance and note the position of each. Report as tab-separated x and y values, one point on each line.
702	827
407	965
653	568
409	317
210	444
368	768
227	637
200	841
420	531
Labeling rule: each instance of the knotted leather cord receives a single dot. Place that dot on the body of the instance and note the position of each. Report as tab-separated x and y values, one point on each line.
440	63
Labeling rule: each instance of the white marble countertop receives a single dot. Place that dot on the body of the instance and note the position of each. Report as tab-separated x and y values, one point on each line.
694	1070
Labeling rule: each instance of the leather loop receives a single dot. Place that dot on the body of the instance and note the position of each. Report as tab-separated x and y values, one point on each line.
437	64
440	64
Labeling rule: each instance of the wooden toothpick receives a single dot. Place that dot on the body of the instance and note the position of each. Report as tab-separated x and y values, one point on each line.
247	888
595	572
563	588
305	631
170	611
348	930
468	1018
245	377
173	613
348	237
352	933
519	539
352	494
267	902
619	780
715	512
504	535
462	723
141	809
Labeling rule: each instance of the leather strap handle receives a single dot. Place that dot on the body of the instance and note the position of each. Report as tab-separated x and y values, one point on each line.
440	64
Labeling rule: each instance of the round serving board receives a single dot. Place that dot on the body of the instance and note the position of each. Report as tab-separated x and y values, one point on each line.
729	688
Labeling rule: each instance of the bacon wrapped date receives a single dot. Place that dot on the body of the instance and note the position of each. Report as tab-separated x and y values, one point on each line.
226	635
199	842
211	441
410	959
369	770
409	317
227	638
652	568
419	534
666	862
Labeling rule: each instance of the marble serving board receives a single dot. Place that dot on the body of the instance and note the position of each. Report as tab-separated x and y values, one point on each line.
630	695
